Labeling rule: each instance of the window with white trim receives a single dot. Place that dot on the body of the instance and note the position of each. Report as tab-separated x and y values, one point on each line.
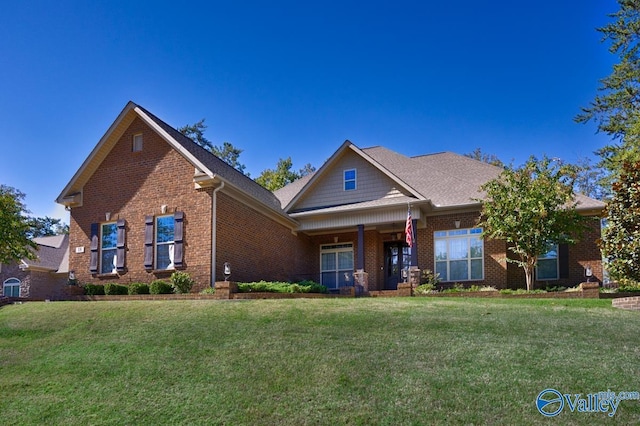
350	177
548	266
164	240
336	265
11	287
459	254
108	247
137	143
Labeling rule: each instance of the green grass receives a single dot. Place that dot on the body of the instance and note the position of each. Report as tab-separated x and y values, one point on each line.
322	361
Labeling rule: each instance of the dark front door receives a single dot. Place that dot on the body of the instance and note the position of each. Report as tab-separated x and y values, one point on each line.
396	258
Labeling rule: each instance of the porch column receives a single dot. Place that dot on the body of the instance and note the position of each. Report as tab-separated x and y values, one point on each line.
360	259
414	249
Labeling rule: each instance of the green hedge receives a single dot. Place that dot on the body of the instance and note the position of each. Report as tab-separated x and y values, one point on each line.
281	287
138	288
160	287
113	289
93	289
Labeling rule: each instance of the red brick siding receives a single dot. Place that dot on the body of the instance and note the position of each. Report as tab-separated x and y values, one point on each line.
259	248
131	185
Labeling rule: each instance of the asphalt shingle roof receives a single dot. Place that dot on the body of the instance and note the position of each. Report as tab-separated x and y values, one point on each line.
52	253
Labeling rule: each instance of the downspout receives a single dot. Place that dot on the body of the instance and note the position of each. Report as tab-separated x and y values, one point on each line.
214	216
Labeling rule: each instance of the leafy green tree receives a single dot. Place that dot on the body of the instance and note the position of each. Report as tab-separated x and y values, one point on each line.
282	175
46	226
530	207
227	152
616	109
492	159
620	242
15	243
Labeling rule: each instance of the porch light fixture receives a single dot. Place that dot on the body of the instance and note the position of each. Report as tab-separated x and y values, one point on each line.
456	223
107	216
335	239
163	208
72	278
227	271
588	272
399	236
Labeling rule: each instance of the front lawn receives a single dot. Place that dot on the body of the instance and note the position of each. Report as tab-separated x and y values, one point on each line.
316	361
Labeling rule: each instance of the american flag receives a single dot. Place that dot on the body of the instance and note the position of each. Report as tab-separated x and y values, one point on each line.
408	229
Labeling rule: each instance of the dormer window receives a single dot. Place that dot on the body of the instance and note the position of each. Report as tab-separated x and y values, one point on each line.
350	180
137	143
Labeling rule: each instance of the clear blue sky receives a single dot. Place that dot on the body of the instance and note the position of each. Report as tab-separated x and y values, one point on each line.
297	78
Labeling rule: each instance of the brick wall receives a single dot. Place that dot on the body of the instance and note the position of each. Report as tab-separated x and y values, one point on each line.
131	185
259	248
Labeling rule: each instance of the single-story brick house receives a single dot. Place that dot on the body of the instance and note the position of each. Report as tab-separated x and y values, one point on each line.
42	278
148	201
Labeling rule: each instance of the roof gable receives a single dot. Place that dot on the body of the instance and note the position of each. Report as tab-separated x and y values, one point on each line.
310	192
209	169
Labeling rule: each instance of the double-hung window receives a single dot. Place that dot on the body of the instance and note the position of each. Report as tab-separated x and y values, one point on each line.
108	247
548	264
336	265
11	287
165	227
459	254
350	183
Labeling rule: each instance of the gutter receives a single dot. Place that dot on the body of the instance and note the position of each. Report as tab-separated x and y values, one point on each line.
214	216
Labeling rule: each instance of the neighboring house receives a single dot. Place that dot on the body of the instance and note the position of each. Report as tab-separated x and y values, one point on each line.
45	277
149	201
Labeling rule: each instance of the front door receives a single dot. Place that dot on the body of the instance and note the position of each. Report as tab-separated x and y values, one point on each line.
396	258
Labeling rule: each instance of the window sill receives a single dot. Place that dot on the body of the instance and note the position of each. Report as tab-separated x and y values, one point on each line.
109	275
162	271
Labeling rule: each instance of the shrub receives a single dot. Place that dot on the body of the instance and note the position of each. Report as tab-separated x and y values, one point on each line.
94	289
113	289
281	287
424	289
181	282
521	291
138	288
160	287
208	290
429	277
626	285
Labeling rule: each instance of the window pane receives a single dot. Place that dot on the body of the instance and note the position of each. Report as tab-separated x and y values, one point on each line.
458	249
552	252
349	185
328	261
164	256
329	280
345	260
440	234
441	250
459	270
476	269
106	261
476	247
349	175
164	229
459	232
441	268
109	235
548	269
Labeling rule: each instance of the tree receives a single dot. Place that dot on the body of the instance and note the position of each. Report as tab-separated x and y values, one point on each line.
531	207
274	179
227	152
620	242
492	159
616	109
15	243
46	226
